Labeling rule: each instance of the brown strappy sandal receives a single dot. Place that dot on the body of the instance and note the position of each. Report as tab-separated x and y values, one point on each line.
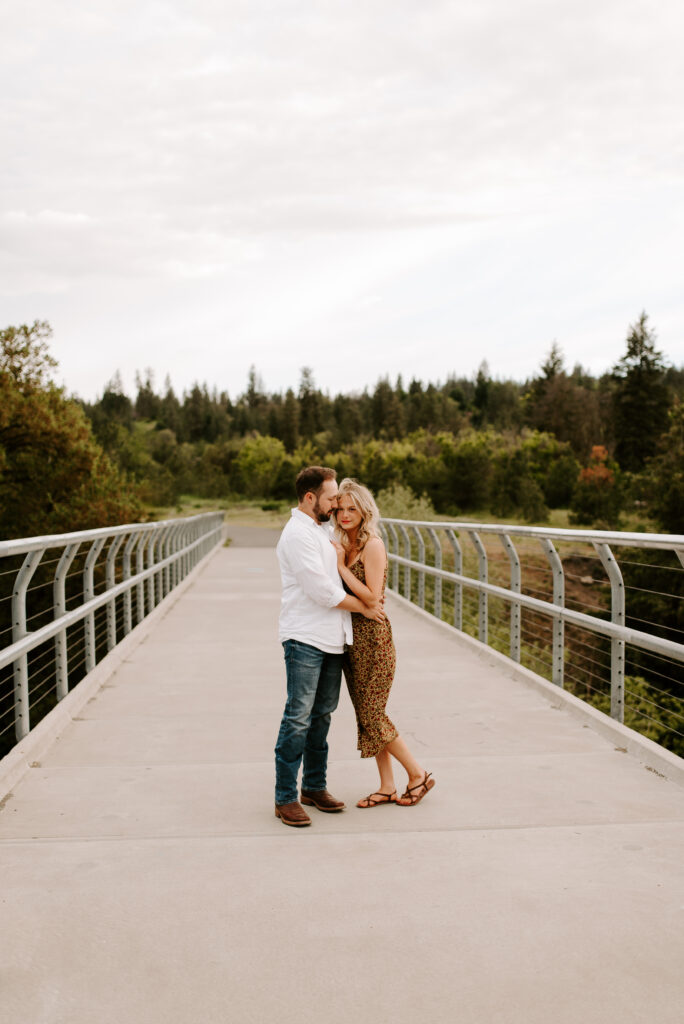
370	802
426	785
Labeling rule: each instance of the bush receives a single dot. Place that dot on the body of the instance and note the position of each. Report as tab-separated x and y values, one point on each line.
399	502
531	501
597	497
258	463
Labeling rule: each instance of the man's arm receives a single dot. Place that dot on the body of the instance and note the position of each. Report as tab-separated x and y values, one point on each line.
306	563
355	604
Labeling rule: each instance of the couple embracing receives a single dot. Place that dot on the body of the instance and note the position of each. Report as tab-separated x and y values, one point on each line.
333	566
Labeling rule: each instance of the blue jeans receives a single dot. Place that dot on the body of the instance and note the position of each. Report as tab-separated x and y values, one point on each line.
313	690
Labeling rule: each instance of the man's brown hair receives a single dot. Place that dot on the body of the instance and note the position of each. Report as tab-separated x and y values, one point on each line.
312	479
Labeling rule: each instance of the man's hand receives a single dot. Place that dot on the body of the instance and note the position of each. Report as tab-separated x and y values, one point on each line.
374	611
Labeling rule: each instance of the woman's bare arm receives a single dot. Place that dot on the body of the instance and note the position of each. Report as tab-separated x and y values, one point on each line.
374	565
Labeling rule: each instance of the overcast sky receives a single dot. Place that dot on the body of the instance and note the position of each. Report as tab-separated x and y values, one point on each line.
366	188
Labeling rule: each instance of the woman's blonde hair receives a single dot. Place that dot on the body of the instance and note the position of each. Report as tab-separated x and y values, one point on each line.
365	504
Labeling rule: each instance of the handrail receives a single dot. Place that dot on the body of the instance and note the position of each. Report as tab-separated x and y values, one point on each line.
611	627
661	541
60	540
165	552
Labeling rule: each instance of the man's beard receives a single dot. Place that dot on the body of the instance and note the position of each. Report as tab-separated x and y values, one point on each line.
322	517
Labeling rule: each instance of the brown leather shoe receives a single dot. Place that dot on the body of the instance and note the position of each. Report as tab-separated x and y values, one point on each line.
292	814
321	799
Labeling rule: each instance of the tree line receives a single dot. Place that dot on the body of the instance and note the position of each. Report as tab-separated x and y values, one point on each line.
599	445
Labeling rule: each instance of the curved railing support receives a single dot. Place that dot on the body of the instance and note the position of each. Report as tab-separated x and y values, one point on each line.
394	551
19	631
421	559
407	567
482	576
515	586
437	546
59	608
558	642
88	595
458	570
110	579
617	647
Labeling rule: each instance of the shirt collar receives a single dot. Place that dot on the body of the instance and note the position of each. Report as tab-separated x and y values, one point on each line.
298	514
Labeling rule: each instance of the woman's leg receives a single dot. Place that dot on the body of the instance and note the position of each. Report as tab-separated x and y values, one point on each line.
397	748
416	774
384	763
387	785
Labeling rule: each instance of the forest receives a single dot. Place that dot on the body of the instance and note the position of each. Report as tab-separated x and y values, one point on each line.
608	449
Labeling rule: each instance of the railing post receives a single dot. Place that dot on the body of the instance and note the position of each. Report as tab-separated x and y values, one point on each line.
437	544
516	580
421	559
178	544
173	547
558	628
395	551
140	587
152	578
88	594
22	718
111	579
458	587
617	647
59	607
407	568
482	576
185	560
126	574
167	548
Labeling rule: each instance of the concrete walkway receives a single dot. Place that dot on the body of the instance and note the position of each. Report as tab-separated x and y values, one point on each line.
145	878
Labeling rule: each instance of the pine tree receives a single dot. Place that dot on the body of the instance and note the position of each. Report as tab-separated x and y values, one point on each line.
290	422
309	404
640	399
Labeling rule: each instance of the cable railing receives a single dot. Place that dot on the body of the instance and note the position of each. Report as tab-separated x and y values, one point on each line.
67	600
599	613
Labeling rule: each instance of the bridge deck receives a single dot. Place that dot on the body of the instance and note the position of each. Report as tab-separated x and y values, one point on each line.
145	877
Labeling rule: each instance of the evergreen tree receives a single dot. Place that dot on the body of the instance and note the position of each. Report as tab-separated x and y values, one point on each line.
481	397
290	422
309	405
170	416
147	402
640	398
665	476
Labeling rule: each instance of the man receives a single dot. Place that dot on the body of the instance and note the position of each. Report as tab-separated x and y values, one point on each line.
314	625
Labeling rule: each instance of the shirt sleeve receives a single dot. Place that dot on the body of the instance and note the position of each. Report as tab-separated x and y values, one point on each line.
307	566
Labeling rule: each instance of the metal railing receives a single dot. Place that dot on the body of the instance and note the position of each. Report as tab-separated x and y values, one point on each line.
534	588
63	613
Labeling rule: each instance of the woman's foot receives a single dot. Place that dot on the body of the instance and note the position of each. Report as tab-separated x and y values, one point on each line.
375	799
418	787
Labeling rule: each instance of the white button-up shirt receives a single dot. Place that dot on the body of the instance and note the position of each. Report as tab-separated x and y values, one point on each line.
312	587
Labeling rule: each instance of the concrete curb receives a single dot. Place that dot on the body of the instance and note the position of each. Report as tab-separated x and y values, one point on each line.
653	757
25	754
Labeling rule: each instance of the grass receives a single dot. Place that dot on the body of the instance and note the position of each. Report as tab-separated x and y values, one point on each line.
240	511
273	514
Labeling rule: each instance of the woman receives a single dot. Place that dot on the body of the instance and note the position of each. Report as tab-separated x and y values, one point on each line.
369	664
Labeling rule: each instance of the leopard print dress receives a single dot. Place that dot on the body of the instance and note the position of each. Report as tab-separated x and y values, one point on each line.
369	670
